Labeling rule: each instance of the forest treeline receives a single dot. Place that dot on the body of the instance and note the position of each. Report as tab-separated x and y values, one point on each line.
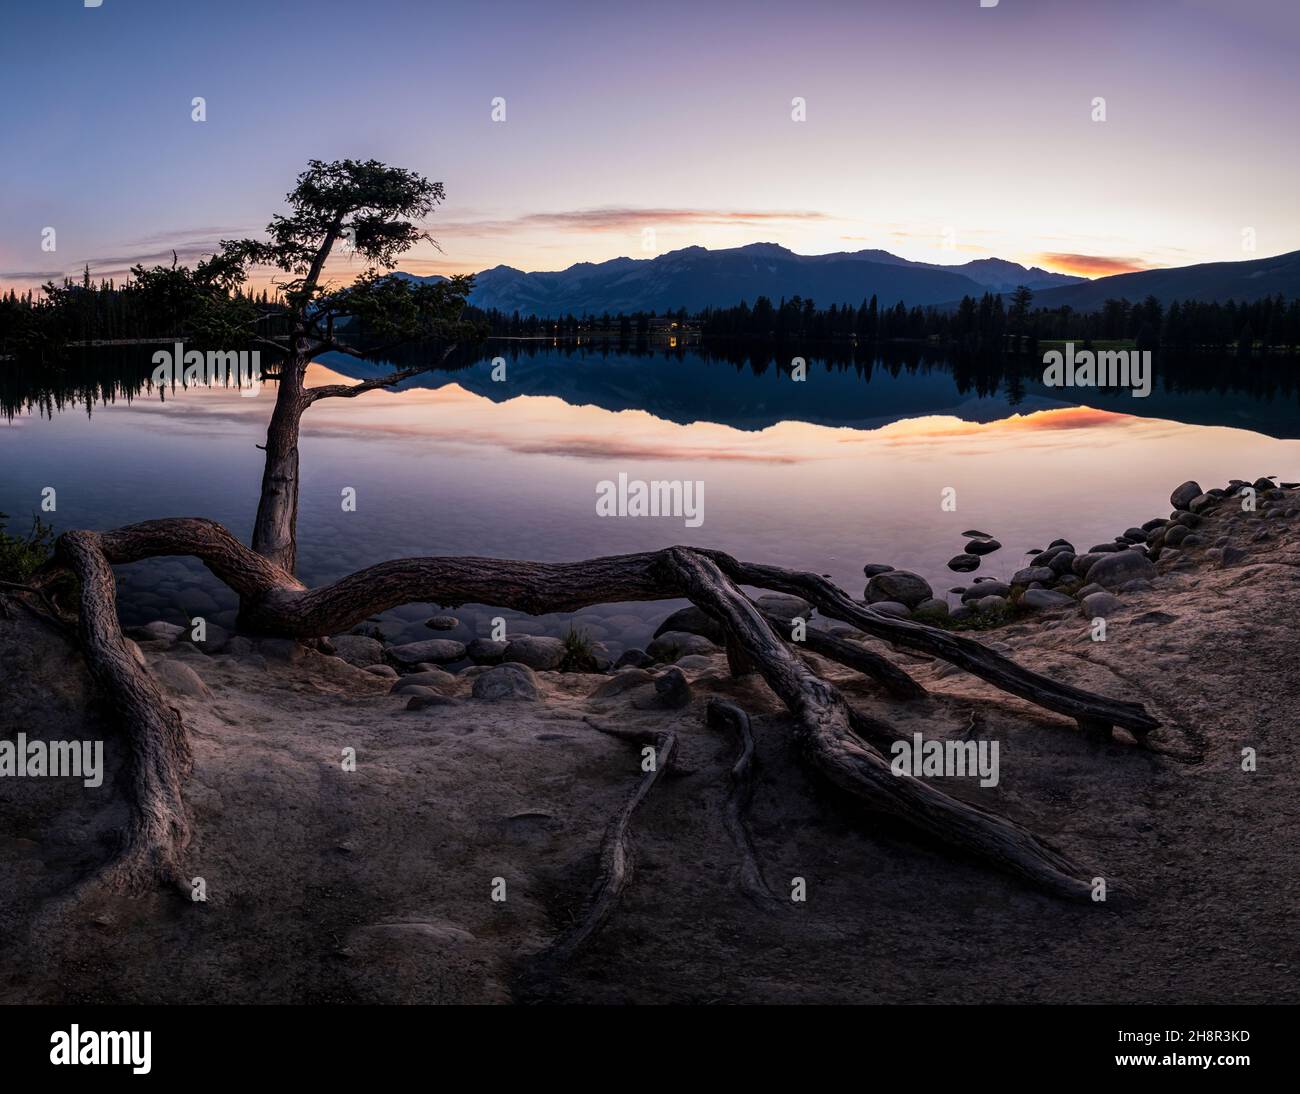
162	303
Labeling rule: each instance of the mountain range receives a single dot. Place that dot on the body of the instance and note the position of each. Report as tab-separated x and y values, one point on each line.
695	278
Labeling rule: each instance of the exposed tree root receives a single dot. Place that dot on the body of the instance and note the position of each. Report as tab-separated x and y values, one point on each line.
838	754
158	747
720	712
831	732
616	856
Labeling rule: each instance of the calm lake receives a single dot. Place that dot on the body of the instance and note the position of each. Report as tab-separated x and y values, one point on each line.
844	468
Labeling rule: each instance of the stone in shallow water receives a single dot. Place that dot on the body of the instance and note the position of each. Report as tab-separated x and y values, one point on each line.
898	585
873	568
536	651
442	623
983	546
964	563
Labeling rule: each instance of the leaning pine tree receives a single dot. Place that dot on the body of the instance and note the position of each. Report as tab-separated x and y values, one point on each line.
376	208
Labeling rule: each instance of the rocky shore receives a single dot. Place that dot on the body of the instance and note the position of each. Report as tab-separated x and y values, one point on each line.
482	761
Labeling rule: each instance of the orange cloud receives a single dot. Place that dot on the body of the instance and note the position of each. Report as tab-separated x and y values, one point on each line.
1090	265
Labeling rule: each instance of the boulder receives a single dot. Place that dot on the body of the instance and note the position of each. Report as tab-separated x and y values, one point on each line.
1031	574
634	658
901	586
986	588
1202	502
486	651
358	649
1101	604
964	563
442	623
1182	496
692	621
894	608
674	644
1045	599
437	651
536	651
670	692
180	679
983	546
1112	571
871	569
509	682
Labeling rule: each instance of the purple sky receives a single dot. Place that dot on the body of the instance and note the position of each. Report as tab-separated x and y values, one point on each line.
934	128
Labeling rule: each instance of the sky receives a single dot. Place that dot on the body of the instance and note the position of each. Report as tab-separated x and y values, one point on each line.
936	129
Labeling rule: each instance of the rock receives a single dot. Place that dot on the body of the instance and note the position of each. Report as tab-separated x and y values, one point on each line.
674	644
437	651
871	569
179	678
1032	573
961	612
893	607
1107	548
442	623
486	651
358	649
1083	563
509	682
1062	563
1102	604
990	605
692	621
783	607
1045	599
1112	571
1088	590
964	563
435	678
386	671
983	546
986	588
901	586
620	682
536	651
1175	534
1061	543
977	535
671	692
1202	502
1154	523
1134	535
635	658
931	609
1182	496
1232	555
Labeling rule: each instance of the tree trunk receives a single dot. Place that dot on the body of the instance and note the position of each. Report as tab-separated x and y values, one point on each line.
275	532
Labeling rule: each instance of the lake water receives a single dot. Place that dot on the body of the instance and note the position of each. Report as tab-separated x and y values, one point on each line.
844	468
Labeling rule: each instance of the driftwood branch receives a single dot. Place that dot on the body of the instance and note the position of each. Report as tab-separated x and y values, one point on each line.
722	713
831	733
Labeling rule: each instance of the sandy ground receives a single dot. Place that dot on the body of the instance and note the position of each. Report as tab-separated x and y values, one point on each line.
326	885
